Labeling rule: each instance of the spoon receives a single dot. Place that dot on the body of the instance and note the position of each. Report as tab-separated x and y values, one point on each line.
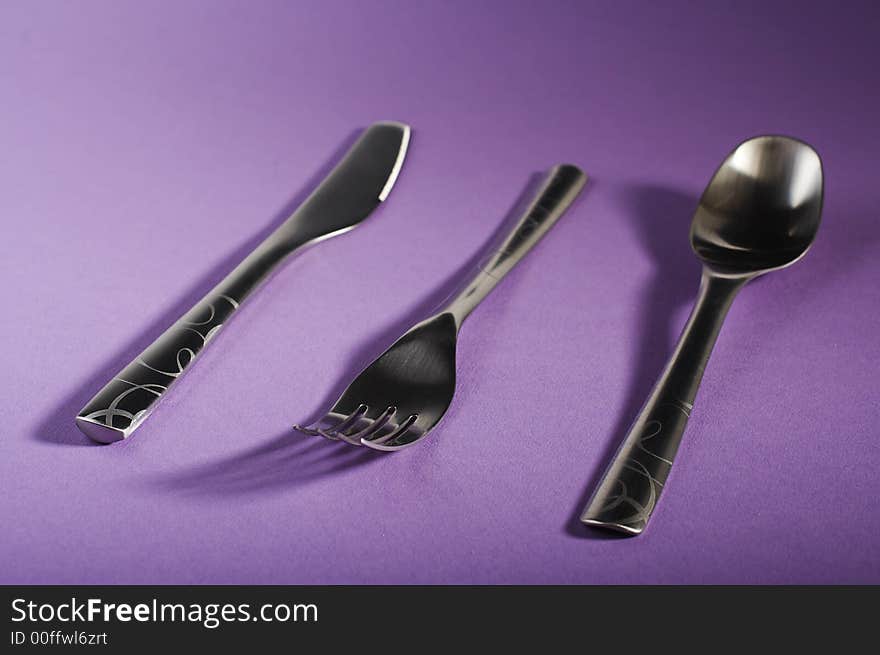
759	213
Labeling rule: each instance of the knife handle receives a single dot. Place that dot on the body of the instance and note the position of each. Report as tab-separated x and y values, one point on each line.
124	402
349	194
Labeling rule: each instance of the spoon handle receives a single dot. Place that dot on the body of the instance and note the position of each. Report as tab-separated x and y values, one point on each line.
631	486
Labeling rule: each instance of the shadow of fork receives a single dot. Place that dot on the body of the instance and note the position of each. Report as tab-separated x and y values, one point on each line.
281	462
58	427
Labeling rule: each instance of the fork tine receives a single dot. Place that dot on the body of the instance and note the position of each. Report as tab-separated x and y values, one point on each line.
373	427
344	424
390	449
330	433
391	436
309	431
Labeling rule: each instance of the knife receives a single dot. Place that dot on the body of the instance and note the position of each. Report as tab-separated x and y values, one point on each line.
352	190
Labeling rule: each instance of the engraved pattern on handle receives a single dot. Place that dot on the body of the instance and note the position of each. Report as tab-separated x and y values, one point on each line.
644	463
129	397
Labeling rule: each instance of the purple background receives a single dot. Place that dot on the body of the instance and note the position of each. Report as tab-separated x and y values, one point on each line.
145	146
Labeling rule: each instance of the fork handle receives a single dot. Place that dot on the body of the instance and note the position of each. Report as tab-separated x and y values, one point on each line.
558	190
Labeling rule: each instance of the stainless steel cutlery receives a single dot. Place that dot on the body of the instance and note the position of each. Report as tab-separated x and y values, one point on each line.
404	393
759	213
358	184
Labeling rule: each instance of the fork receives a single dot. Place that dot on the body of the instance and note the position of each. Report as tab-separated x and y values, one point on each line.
402	395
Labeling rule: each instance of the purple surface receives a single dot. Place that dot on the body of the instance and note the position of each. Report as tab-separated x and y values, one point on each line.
145	146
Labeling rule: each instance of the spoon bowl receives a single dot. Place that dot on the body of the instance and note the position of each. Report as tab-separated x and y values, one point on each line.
761	210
